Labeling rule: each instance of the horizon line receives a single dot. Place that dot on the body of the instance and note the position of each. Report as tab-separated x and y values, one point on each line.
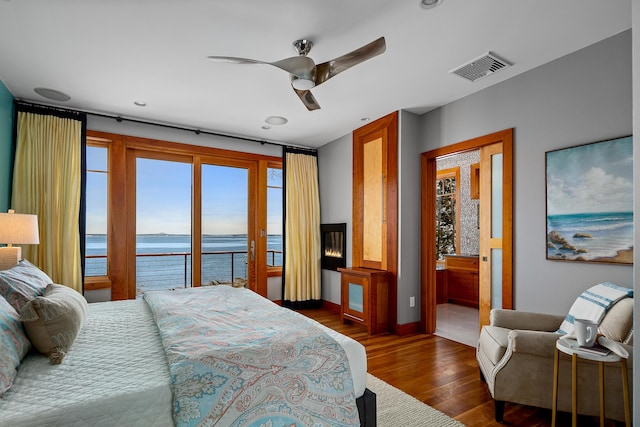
179	234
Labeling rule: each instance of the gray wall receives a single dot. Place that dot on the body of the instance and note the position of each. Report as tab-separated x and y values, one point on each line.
580	98
335	169
408	279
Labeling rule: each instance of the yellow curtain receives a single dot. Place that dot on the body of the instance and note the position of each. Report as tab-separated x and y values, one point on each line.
302	229
47	182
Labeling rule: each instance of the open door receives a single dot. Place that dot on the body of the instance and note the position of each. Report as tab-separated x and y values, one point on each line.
496	273
496	216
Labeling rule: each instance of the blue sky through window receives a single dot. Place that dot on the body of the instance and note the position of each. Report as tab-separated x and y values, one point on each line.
164	197
96	200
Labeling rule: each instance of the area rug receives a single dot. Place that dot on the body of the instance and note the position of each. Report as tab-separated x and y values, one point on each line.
397	408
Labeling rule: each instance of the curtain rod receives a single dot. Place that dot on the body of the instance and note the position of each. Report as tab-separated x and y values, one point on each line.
120	119
29	107
300	150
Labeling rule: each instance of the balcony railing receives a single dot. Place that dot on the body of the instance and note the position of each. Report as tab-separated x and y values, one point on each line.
173	269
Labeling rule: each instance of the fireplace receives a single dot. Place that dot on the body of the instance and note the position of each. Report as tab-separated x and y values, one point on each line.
334	246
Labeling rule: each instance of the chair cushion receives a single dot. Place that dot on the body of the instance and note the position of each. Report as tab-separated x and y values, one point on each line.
618	321
493	342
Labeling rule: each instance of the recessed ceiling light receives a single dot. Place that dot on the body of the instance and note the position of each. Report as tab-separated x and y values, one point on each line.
276	120
55	95
428	4
140	103
266	127
365	119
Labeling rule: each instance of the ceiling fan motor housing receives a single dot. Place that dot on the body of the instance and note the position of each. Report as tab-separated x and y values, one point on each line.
303	46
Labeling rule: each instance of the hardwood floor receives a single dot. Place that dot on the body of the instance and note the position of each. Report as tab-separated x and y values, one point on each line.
441	373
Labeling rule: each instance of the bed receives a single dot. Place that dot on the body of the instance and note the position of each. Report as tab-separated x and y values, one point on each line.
152	362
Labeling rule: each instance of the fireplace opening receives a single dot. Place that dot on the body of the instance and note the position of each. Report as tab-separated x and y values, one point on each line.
334	246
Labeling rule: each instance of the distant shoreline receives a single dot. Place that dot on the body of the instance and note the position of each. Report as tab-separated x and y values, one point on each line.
624	256
180	235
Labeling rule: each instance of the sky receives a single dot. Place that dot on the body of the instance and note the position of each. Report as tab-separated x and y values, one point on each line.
591	178
163	191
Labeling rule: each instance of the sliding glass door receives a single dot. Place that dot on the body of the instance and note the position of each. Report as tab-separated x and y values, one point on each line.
227	252
165	215
194	222
163	224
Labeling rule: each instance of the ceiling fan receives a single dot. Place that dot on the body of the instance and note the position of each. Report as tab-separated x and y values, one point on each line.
305	74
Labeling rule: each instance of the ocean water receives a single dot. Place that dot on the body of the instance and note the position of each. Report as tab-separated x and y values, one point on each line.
610	232
164	260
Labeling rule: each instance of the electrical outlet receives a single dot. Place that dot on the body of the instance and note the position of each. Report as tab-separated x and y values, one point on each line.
412	301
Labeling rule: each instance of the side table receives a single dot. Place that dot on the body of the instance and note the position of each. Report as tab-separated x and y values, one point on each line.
570	346
365	298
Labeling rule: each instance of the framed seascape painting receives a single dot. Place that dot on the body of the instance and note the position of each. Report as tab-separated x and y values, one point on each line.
590	202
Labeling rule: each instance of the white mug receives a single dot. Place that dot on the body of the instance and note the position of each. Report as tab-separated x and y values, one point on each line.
586	332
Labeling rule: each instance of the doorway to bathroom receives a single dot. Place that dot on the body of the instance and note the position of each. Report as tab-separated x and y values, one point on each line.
472	272
457	230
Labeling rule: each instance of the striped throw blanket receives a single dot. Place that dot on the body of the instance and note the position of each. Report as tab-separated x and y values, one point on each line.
593	304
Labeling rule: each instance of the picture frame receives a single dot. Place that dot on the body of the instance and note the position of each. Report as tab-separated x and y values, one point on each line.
589	202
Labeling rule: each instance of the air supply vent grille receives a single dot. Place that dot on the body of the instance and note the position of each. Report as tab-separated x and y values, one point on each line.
480	67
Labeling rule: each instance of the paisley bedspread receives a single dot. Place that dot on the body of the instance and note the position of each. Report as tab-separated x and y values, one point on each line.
237	359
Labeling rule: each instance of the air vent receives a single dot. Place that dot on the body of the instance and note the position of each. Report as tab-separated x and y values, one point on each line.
481	67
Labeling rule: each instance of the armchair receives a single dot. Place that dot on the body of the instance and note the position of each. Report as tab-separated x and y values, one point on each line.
515	355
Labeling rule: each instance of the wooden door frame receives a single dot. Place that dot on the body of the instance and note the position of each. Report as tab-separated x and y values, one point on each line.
257	283
133	154
427	221
122	197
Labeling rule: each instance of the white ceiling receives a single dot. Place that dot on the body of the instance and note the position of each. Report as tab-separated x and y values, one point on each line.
106	54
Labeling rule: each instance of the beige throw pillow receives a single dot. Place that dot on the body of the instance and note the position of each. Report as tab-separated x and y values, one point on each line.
52	321
618	322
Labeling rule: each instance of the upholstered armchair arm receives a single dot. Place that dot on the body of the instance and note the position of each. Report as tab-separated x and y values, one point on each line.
514	319
539	343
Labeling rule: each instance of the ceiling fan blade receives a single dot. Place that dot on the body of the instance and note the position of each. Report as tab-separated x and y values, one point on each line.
328	69
307	99
299	66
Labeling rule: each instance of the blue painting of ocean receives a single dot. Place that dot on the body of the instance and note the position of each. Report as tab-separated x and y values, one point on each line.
592	236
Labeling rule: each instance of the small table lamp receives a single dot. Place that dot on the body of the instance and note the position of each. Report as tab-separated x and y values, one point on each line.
18	229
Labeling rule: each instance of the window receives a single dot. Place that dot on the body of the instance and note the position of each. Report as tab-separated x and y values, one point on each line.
274	217
96	215
163	224
447	208
121	193
225	224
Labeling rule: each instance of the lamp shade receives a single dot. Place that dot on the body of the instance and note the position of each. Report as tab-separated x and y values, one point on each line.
19	229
